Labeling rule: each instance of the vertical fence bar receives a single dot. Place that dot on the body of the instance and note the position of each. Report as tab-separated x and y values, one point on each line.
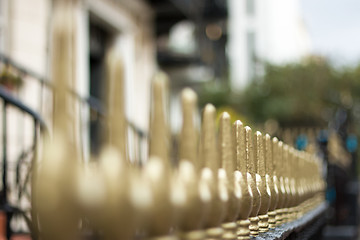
4	165
4	177
34	230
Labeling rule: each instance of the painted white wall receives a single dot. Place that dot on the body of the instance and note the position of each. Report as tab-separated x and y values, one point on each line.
286	36
28	33
26	44
280	35
4	10
24	39
237	24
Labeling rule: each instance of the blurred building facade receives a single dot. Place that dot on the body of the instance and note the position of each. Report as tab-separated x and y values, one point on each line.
127	26
271	31
192	41
191	45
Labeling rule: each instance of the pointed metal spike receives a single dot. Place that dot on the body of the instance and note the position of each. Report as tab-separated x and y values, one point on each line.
209	153
259	153
60	154
249	156
189	135
226	147
159	133
269	167
116	122
239	148
275	152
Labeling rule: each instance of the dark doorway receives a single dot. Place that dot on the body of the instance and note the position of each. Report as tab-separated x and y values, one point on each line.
99	42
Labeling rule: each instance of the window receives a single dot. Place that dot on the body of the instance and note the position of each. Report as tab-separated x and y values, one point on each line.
99	41
250	7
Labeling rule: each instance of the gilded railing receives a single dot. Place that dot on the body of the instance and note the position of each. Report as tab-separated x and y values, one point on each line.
229	183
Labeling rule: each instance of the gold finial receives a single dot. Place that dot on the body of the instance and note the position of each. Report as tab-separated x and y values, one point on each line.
292	183
208	152
226	147
261	183
280	174
259	153
218	202
63	75
251	160
116	122
228	164
159	133
285	169
271	147
157	171
251	167
269	168
195	207
188	137
246	200
161	212
275	155
117	205
61	153
211	174
298	186
239	136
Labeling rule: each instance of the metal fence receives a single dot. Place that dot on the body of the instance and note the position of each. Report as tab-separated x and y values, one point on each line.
229	183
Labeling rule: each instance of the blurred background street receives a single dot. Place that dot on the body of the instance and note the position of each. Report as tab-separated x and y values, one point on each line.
290	68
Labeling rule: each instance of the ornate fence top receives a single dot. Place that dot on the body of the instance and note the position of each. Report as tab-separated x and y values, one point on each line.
230	184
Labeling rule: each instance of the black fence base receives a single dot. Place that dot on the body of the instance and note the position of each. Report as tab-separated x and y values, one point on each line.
308	226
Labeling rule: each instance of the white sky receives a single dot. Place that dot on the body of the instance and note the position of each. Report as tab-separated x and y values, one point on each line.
334	28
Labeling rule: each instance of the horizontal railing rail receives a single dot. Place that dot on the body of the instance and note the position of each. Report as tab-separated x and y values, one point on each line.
8	98
10	209
92	102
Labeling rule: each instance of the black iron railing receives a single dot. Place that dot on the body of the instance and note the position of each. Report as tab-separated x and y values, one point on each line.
39	127
16	165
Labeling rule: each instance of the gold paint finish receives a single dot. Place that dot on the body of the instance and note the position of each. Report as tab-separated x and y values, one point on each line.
270	155
262	183
208	148
118	207
228	163
282	192
116	123
209	159
286	161
232	188
301	184
197	193
246	200
192	235
299	188
251	168
157	171
189	136
54	189
161	212
193	209
159	132
292	185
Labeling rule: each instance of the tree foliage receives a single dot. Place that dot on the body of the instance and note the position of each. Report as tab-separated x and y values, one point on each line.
296	94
